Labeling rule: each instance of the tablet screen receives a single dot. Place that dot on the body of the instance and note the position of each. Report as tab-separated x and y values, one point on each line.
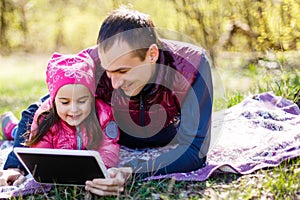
62	169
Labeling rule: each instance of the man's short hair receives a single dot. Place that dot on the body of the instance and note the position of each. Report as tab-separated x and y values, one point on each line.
131	26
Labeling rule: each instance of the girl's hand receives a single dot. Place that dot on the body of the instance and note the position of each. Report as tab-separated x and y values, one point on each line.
13	176
111	186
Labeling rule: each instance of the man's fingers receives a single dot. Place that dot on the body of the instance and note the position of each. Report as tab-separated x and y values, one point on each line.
113	189
104	190
109	182
112	185
112	172
105	187
102	193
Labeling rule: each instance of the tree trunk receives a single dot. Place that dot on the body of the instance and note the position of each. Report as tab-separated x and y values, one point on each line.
5	49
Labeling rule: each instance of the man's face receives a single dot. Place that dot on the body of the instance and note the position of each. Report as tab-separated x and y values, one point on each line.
126	71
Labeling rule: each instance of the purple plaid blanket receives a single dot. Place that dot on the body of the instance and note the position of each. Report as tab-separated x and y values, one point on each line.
30	186
262	131
259	132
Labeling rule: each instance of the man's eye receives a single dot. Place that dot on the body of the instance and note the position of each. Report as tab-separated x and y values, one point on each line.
123	71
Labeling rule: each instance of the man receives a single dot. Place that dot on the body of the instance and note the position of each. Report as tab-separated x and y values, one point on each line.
160	92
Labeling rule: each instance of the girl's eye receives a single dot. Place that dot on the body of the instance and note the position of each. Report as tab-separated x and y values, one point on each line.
82	101
64	103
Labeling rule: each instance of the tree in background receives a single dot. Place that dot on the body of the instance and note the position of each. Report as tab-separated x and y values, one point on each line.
218	25
243	25
6	7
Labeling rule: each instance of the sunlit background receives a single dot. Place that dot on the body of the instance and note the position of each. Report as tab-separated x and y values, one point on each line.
243	38
233	25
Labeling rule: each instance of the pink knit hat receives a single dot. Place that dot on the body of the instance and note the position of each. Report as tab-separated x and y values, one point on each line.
70	69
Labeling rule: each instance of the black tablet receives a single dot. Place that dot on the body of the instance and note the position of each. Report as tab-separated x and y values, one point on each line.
61	166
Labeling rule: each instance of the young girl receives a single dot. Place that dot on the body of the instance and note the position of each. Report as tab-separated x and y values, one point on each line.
71	118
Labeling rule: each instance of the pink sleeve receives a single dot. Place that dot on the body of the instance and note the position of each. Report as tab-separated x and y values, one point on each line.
110	149
46	141
109	152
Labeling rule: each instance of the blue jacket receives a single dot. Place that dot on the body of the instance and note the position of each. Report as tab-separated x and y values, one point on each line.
182	86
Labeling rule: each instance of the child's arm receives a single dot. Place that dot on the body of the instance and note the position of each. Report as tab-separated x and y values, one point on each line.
109	149
46	141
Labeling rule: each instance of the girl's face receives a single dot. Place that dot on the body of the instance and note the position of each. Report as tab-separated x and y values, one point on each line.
73	103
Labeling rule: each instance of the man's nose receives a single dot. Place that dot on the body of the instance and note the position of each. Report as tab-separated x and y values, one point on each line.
116	80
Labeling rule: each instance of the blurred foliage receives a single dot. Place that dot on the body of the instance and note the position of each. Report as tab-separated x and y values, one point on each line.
242	25
67	25
231	25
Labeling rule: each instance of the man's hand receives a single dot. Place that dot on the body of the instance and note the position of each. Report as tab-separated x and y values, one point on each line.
111	186
11	177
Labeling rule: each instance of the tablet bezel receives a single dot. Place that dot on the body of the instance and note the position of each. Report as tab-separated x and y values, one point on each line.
19	151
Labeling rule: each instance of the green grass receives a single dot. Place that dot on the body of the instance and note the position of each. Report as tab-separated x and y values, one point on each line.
22	82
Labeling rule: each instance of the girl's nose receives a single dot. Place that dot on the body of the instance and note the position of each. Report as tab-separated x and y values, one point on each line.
74	107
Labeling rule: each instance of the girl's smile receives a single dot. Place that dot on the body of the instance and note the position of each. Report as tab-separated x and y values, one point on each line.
73	103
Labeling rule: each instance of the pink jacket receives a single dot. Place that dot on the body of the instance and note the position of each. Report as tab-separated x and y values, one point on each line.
65	136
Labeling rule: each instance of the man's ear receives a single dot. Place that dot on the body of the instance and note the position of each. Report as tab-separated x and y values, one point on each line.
153	53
